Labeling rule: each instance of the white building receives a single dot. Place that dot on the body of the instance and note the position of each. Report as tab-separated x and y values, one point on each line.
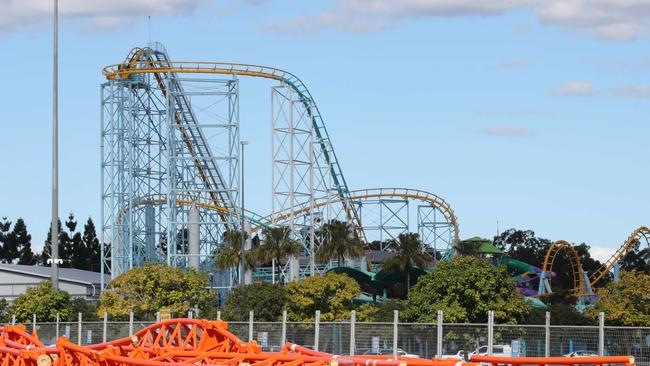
15	279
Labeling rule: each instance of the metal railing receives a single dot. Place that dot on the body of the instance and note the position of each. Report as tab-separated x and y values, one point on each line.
426	340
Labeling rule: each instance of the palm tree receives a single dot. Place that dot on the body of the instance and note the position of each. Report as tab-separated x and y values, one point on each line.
228	255
277	246
338	242
409	252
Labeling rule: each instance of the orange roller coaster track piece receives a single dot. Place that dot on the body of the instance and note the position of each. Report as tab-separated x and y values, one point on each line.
178	342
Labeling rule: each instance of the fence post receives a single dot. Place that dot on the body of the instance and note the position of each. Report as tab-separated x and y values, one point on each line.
13	319
395	321
218	314
190	315
490	332
547	335
104	330
284	327
158	317
58	319
439	335
33	322
79	320
250	325
353	323
316	330
601	334
130	323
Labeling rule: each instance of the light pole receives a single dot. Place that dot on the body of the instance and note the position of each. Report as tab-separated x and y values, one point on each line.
242	269
54	249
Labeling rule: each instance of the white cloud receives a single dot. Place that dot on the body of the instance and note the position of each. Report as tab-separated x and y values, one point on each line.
507	131
575	88
633	91
601	253
19	14
613	20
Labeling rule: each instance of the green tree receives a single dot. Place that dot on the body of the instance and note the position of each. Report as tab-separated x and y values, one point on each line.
277	246
381	312
44	301
469	247
466	288
86	249
228	255
409	253
626	302
87	309
332	294
265	300
4	311
148	289
8	250
523	245
338	242
64	248
23	243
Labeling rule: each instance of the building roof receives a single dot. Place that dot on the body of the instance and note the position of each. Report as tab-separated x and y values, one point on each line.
65	274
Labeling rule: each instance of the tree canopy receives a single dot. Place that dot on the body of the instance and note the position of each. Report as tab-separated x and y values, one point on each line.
332	294
466	288
44	301
625	302
338	242
148	289
266	300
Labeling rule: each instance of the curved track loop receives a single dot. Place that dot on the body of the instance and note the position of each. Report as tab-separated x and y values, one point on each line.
576	266
178	342
579	287
628	246
303	209
361	194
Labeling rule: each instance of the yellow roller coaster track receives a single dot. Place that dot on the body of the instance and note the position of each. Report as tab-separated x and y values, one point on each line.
576	266
579	287
628	246
303	209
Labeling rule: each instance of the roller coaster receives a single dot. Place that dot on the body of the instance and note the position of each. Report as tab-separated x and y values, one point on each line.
171	170
584	283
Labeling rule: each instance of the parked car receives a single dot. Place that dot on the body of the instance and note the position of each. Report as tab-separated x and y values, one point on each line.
581	354
386	352
497	350
460	355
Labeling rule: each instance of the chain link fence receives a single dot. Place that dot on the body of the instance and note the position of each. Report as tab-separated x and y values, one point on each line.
426	340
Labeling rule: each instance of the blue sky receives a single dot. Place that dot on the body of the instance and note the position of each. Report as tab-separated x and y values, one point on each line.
530	113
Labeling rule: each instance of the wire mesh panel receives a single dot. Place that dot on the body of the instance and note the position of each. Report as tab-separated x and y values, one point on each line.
417	339
47	333
624	341
69	330
463	337
566	339
92	332
334	337
531	338
301	333
117	330
268	335
369	334
240	329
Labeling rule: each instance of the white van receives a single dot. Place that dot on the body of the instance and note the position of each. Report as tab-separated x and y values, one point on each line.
502	350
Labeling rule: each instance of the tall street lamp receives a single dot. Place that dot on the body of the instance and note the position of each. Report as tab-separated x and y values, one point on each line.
242	270
54	249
